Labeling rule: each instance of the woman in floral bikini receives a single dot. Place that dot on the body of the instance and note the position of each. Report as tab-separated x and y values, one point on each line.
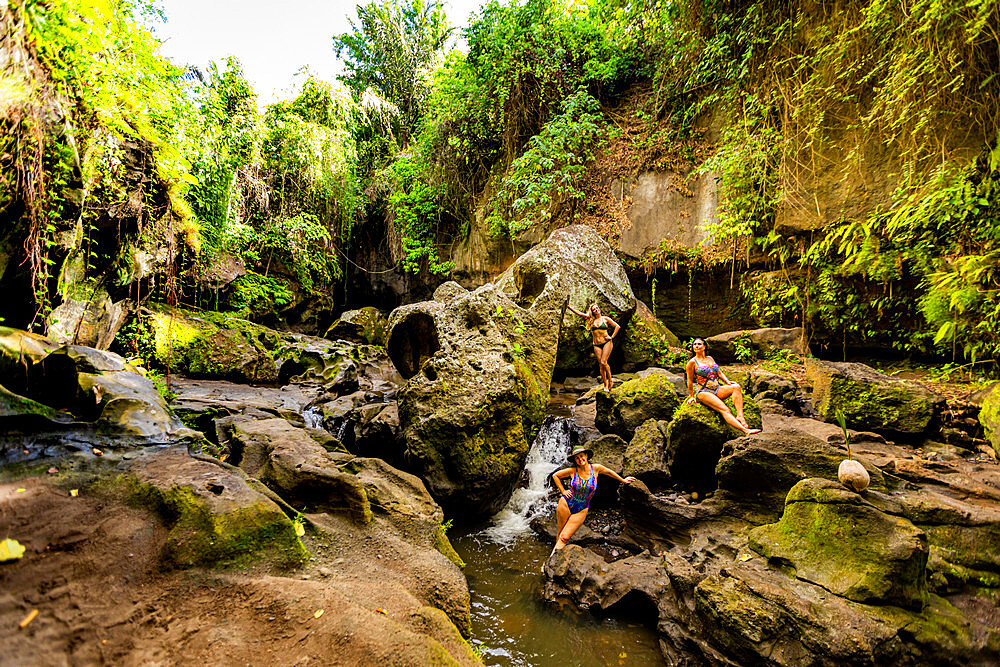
703	380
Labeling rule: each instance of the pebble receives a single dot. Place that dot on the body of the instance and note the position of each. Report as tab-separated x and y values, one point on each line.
324	571
305	576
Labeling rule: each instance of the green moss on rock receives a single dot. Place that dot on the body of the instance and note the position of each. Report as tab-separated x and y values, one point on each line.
870	401
831	537
653	396
989	417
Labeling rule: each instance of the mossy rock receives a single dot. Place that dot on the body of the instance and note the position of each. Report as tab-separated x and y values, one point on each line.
365	325
478	371
645	456
989	417
830	536
695	436
757	472
647	341
653	395
870	401
210	345
213	514
443	545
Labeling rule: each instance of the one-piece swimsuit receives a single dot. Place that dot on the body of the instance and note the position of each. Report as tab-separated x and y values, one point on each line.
707	376
583	490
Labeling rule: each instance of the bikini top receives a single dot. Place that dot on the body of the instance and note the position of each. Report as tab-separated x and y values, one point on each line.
602	325
709	371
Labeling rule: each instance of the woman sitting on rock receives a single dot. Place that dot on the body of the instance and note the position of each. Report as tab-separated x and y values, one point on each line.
598	325
575	501
703	380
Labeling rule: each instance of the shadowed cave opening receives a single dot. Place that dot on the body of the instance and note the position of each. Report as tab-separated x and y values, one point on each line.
412	342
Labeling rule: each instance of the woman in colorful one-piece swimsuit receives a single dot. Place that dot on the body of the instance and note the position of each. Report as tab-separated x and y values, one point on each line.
575	501
703	380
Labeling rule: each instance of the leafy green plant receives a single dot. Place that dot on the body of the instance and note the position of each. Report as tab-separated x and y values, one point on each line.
549	172
842	421
744	349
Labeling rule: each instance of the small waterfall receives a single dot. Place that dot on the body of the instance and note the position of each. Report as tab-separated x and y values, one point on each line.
547	453
342	429
313	418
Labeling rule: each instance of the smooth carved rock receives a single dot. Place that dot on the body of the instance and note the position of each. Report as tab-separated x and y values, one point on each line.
870	400
651	396
760	342
756	614
574	263
831	537
76	383
213	513
478	370
757	472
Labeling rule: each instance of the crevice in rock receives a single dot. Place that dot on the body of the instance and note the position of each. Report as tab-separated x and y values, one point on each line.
412	342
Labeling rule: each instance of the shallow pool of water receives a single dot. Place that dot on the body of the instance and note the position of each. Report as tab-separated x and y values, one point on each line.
512	625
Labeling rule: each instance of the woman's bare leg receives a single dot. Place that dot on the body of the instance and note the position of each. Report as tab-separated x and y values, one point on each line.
572	525
603	358
562	515
600	366
714	402
736	392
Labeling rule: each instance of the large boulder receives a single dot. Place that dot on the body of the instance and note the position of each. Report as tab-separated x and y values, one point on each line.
871	401
365	325
206	345
574	263
477	370
654	394
73	383
989	416
695	436
832	537
728	347
645	455
213	514
757	472
647	341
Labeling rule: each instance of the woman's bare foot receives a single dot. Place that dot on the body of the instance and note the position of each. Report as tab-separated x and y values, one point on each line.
752	431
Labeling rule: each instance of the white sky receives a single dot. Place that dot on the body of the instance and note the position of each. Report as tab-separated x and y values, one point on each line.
273	40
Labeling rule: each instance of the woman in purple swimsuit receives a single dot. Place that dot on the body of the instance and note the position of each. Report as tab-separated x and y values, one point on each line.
703	380
575	501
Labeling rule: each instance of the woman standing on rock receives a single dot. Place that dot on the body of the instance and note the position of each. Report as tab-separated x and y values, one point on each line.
575	501
598	325
703	380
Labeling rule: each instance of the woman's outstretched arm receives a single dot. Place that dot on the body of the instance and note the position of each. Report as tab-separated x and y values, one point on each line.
576	311
603	470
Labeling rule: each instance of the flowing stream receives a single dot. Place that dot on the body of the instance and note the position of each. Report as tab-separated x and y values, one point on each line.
511	624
